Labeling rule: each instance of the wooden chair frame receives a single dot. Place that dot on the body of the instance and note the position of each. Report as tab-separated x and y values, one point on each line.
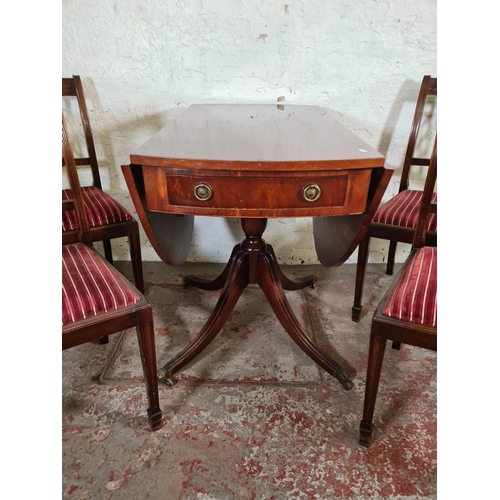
72	87
139	315
384	328
392	232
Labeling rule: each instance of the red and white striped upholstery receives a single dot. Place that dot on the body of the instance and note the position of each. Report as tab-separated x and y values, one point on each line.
402	210
100	208
414	298
91	286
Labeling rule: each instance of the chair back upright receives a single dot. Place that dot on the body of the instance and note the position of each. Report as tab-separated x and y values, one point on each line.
427	205
76	203
428	88
72	87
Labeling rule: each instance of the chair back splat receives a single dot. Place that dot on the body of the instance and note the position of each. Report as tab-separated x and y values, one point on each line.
429	202
72	87
427	88
76	202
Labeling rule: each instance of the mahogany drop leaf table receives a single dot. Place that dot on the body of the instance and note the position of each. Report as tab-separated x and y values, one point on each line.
255	162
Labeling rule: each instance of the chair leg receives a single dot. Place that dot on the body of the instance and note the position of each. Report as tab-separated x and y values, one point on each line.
134	243
391	257
375	358
145	335
108	254
396	345
360	277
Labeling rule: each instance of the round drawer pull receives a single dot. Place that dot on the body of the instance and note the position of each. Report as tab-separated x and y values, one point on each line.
203	192
311	192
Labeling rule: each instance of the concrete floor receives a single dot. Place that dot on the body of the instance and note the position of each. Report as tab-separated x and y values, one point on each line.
252	417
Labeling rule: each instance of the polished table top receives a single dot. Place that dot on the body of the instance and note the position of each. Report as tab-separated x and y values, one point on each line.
256	134
256	160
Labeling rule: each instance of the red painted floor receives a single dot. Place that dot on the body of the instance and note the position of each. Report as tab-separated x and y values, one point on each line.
252	417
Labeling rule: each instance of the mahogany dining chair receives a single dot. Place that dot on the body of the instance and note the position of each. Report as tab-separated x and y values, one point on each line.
107	218
96	299
408	311
396	219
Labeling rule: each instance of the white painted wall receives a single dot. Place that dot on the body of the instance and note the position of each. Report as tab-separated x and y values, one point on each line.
143	62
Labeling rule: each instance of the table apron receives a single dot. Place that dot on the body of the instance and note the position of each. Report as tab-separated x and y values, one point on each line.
256	194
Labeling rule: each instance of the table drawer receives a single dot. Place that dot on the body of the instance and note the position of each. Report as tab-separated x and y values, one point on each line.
253	194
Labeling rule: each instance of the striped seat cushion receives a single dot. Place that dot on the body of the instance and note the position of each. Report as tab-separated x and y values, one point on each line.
101	209
402	210
414	298
91	286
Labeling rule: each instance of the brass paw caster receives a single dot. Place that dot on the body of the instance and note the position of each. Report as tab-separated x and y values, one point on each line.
164	379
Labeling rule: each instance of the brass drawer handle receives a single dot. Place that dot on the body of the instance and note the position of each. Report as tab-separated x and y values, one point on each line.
203	192
311	192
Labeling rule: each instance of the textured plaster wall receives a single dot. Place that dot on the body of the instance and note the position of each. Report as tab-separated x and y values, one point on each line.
143	62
